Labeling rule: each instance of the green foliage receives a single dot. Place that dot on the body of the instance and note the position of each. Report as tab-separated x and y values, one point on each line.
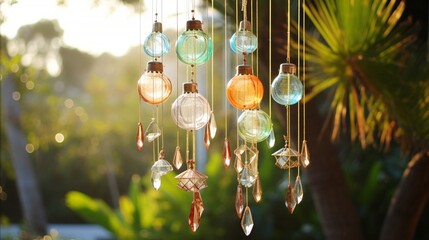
357	60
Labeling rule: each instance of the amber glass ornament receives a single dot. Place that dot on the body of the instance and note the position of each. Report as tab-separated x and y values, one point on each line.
244	90
154	86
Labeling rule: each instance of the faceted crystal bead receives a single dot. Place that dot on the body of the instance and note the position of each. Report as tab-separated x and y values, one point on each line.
226	153
305	154
298	190
290	199
213	126
152	131
207	136
247	178
257	190
156	180
161	167
271	140
247	221
239	201
140	136
196	212
177	160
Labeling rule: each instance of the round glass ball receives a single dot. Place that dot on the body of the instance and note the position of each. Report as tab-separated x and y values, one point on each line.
154	87
245	91
194	47
286	89
156	44
243	41
191	111
254	125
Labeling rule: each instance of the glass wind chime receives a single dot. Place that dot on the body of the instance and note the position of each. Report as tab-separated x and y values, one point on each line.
288	90
191	111
245	92
154	88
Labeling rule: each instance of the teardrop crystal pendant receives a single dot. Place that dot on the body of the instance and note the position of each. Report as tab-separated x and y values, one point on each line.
247	221
156	180
238	164
213	126
207	136
226	153
140	136
290	199
305	154
299	193
271	140
152	131
239	201
197	208
177	160
257	190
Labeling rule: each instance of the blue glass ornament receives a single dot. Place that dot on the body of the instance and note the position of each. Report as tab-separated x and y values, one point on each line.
286	88
157	43
243	41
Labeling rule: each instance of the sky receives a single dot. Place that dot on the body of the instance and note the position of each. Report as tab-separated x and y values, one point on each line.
107	27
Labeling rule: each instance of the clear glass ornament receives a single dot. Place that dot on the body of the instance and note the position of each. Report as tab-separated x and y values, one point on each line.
247	221
243	41
194	46
244	90
254	125
154	86
152	131
190	111
156	43
286	88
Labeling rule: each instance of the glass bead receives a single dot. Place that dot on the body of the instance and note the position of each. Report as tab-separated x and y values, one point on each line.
244	91
243	41
191	111
194	47
156	44
286	89
154	87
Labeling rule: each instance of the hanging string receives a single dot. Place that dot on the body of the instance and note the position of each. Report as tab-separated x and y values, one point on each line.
251	27
177	73
257	37
226	65
288	33
299	77
212	59
244	10
270	56
303	67
140	54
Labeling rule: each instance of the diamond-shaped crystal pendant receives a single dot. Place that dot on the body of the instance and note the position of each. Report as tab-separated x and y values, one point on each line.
177	160
140	136
153	131
247	178
238	165
290	199
247	221
197	208
213	126
207	136
226	153
271	140
239	201
156	180
305	154
191	180
257	190
298	190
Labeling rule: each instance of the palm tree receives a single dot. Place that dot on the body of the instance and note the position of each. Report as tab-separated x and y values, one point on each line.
369	63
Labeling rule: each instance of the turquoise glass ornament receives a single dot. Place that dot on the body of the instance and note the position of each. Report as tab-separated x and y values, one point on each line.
191	111
243	41
194	47
286	88
157	43
254	125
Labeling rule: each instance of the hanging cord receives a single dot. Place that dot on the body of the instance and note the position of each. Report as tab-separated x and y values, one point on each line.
288	33
270	57
177	73
226	66
212	60
244	9
303	67
299	77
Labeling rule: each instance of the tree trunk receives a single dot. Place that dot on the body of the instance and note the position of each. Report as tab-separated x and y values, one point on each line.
29	195
337	214
409	201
